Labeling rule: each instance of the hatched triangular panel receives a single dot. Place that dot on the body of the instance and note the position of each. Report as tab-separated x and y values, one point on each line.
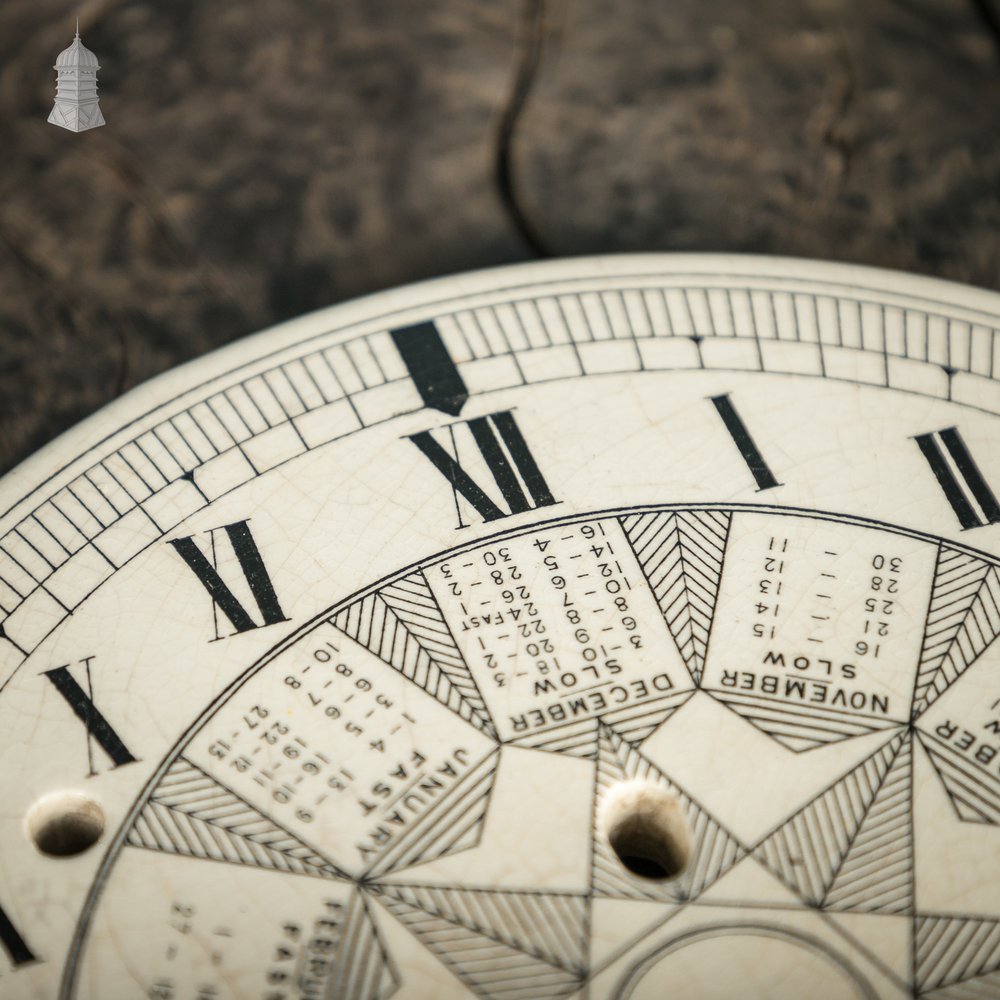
192	814
713	850
491	968
634	723
549	926
577	739
966	619
974	792
637	722
452	824
952	950
957	579
681	556
403	625
799	727
360	968
807	849
876	876
981	988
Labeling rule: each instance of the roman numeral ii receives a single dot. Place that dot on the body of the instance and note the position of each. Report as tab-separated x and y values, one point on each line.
970	496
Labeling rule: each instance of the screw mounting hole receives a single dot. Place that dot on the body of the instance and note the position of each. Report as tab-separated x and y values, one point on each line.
646	829
64	824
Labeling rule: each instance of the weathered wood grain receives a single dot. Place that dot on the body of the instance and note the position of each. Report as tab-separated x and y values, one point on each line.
259	161
263	160
840	129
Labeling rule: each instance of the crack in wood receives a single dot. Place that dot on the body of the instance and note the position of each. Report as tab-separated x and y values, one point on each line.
988	13
531	46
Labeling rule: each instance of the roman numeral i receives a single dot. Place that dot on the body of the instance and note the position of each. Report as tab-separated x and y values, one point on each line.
970	496
763	476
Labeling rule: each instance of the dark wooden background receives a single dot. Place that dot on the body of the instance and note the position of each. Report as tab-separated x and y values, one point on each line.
264	159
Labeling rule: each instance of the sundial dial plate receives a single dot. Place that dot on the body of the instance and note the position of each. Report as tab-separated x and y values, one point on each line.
586	629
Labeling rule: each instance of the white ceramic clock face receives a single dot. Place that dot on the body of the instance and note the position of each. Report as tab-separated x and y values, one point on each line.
604	628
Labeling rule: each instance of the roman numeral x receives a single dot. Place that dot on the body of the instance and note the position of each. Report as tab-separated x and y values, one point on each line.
97	726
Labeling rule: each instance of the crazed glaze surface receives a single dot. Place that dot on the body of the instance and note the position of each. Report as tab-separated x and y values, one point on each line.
352	631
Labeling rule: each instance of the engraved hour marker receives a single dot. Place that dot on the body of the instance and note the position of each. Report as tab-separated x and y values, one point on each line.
748	449
970	496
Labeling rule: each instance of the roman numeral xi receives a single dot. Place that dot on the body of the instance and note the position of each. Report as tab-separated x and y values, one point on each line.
251	565
970	496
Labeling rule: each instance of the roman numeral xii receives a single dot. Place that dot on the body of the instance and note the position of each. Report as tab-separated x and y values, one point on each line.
501	450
